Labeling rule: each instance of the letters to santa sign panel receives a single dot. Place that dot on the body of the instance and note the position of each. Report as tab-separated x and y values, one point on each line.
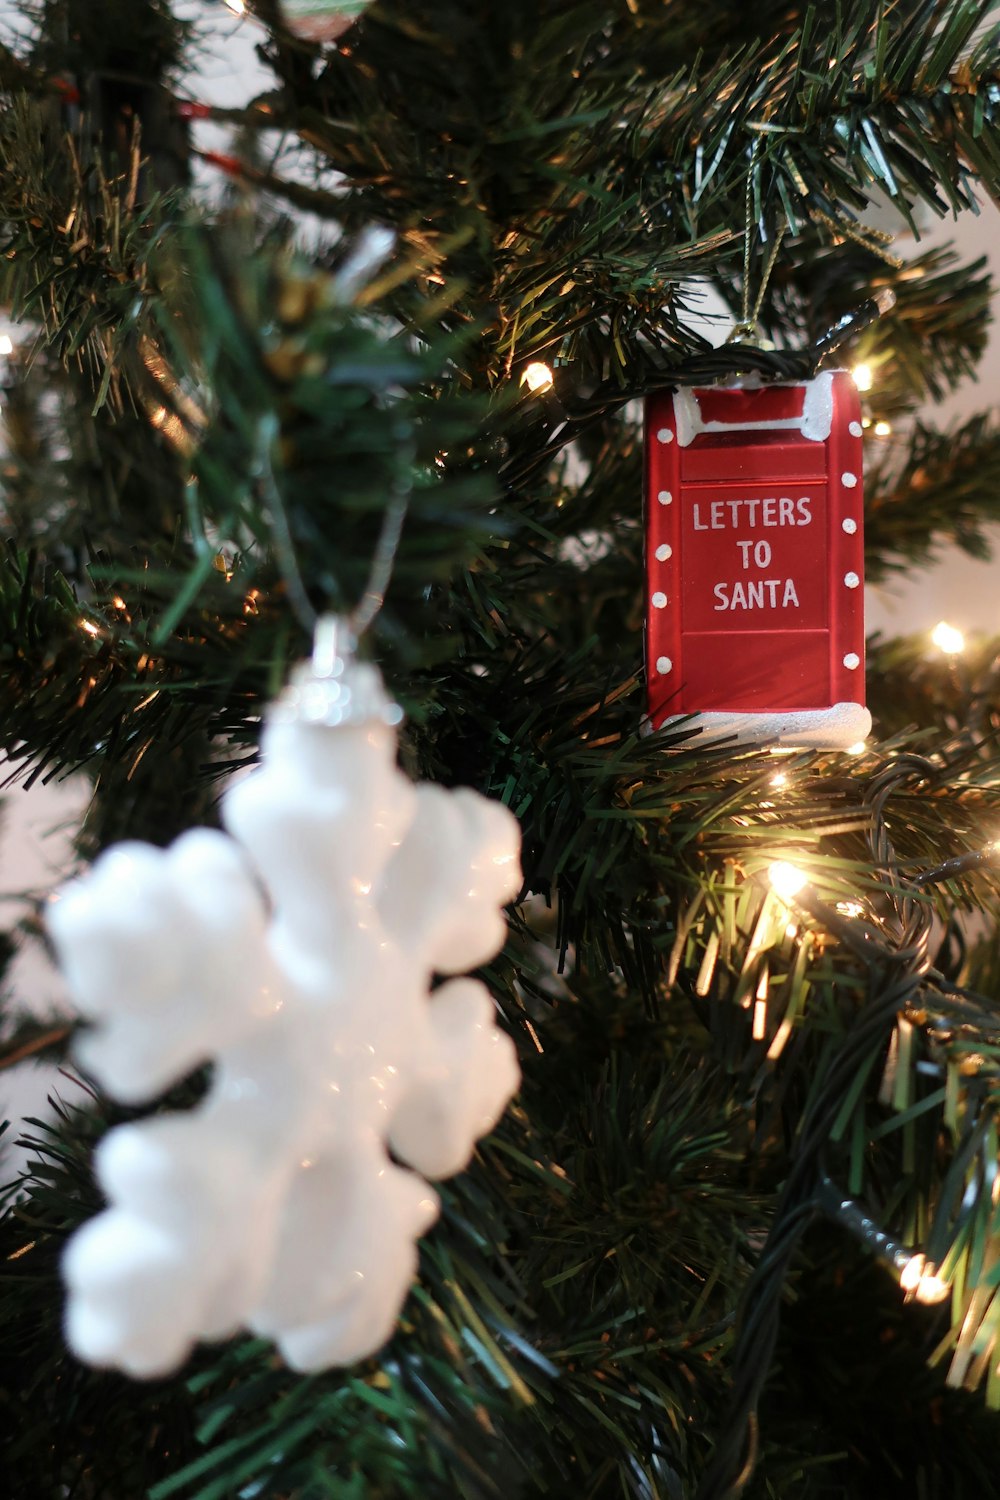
754	562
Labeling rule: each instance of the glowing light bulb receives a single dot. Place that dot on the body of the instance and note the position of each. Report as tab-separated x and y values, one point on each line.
920	1278
781	779
850	908
786	879
238	7
6	344
948	638
858	748
910	1274
883	429
863	377
932	1288
537	377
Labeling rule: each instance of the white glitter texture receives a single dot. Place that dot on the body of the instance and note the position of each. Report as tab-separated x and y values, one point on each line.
297	954
807	729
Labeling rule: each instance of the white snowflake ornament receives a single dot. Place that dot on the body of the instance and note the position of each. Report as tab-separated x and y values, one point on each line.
297	954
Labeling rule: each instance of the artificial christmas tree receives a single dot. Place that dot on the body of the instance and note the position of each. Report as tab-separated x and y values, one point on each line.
737	1233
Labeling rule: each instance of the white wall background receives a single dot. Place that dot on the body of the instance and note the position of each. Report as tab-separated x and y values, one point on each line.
37	825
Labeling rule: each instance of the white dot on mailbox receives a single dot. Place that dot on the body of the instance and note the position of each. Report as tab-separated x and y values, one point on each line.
659	601
663	665
852	660
664	497
664	435
852	580
855	429
848	481
664	551
849	526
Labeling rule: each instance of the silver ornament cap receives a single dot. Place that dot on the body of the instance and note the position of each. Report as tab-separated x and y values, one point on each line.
333	688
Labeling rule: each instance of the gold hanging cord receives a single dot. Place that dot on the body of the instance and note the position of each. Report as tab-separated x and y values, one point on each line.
745	331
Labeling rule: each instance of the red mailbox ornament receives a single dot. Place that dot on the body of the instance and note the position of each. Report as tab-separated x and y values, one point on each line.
754	562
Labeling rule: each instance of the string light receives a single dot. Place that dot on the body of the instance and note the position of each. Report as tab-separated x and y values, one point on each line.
90	627
917	1277
858	748
948	638
170	424
6	344
537	377
920	1279
786	879
850	908
959	864
863	377
883	429
238	7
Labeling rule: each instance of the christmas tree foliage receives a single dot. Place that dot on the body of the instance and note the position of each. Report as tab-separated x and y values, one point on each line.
674	1269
